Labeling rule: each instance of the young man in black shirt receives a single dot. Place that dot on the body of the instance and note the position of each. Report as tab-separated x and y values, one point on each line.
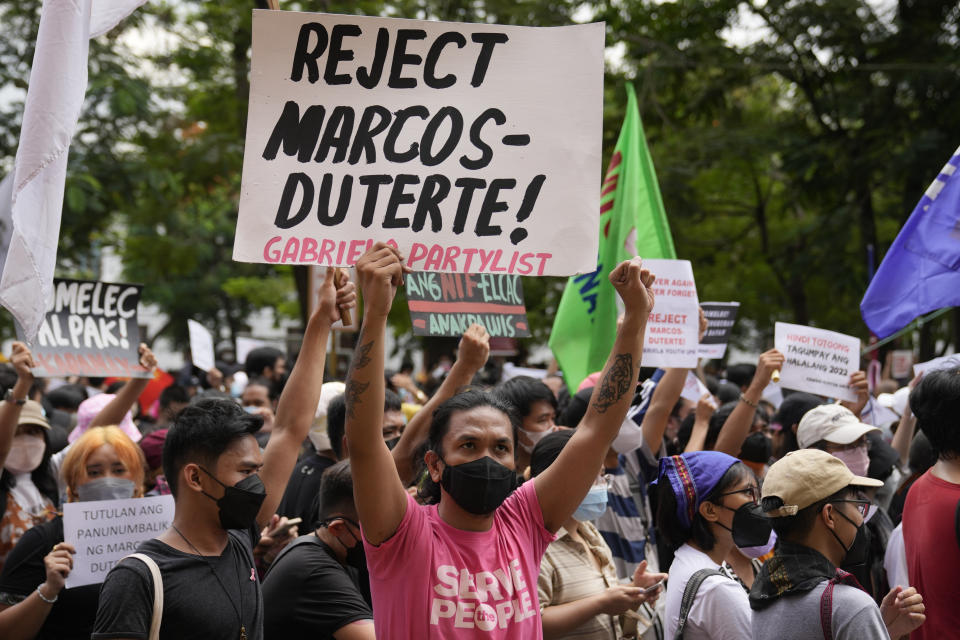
314	589
225	490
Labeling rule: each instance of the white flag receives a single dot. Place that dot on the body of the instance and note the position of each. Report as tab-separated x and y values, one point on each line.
58	83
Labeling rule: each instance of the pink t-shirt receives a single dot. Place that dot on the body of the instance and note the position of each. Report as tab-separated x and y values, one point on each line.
430	580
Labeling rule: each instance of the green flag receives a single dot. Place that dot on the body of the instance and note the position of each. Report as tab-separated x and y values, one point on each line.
632	223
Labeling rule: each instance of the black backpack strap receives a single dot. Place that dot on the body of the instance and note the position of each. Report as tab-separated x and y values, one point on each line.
304	539
689	595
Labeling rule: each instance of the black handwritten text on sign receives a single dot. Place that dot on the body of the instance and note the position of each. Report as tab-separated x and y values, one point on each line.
473	148
446	304
91	330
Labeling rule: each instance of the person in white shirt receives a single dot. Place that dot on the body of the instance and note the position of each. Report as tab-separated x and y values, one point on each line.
706	499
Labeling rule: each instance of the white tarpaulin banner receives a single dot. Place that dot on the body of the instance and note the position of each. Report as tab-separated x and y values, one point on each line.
104	531
817	361
671	338
474	148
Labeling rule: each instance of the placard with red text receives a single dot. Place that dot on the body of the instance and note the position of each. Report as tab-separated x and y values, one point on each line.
817	361
473	148
671	339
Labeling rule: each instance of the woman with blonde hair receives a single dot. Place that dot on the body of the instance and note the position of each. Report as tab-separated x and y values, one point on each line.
103	464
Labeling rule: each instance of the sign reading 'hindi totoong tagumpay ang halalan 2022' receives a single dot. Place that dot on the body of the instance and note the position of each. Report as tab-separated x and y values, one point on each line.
473	148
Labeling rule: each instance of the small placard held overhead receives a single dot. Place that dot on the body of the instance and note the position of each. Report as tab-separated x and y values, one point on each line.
817	361
201	346
90	330
673	325
721	317
446	304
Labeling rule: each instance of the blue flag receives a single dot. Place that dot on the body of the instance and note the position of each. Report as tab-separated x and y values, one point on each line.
921	271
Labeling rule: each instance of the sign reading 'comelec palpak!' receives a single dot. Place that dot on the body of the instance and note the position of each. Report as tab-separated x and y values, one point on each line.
473	148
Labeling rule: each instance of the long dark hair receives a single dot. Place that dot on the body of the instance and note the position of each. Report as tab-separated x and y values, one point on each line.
429	491
43	477
669	525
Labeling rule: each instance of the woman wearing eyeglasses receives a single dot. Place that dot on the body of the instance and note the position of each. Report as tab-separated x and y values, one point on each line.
707	506
580	596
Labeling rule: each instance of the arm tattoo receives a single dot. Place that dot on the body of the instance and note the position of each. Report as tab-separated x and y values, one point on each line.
615	383
352	395
361	357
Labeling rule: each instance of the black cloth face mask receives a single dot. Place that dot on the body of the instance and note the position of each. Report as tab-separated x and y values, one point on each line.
750	527
392	442
859	549
356	556
240	503
479	486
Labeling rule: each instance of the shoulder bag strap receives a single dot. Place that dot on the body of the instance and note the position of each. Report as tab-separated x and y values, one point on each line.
826	610
157	593
689	594
308	538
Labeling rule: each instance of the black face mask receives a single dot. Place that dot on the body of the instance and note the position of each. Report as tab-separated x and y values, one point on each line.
750	527
479	486
356	556
859	549
240	503
392	442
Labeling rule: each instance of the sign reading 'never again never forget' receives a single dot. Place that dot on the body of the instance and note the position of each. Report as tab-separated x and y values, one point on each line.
473	148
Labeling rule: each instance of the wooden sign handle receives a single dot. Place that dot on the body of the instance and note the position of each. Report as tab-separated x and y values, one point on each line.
345	317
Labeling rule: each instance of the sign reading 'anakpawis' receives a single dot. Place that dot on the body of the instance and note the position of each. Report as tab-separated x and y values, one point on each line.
473	148
446	304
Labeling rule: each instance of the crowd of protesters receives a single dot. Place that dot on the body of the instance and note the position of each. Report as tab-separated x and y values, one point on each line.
377	507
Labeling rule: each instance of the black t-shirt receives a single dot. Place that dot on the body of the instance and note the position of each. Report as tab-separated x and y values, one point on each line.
195	605
299	500
309	594
73	613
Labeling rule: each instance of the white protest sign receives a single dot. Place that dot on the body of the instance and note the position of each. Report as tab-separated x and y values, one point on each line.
817	361
773	394
473	148
201	346
900	362
944	362
693	388
671	338
246	345
104	531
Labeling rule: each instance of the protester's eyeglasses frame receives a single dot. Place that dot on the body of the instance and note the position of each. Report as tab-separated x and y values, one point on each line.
751	492
863	506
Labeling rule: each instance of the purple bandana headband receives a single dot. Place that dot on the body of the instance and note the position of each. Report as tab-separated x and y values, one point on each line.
693	476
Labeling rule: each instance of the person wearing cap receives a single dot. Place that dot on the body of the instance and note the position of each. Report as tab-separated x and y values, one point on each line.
836	430
816	506
28	483
931	528
706	501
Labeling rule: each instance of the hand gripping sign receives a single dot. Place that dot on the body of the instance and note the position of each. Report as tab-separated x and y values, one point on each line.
473	148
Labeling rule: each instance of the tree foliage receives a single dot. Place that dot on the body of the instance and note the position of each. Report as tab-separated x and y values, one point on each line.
791	139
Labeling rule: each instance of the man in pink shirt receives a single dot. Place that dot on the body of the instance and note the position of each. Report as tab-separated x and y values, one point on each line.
466	564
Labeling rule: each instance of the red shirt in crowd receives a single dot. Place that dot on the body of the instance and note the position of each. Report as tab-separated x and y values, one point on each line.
933	553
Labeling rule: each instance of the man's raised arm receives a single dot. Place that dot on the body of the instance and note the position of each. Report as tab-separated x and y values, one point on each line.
379	494
471	356
298	402
562	486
